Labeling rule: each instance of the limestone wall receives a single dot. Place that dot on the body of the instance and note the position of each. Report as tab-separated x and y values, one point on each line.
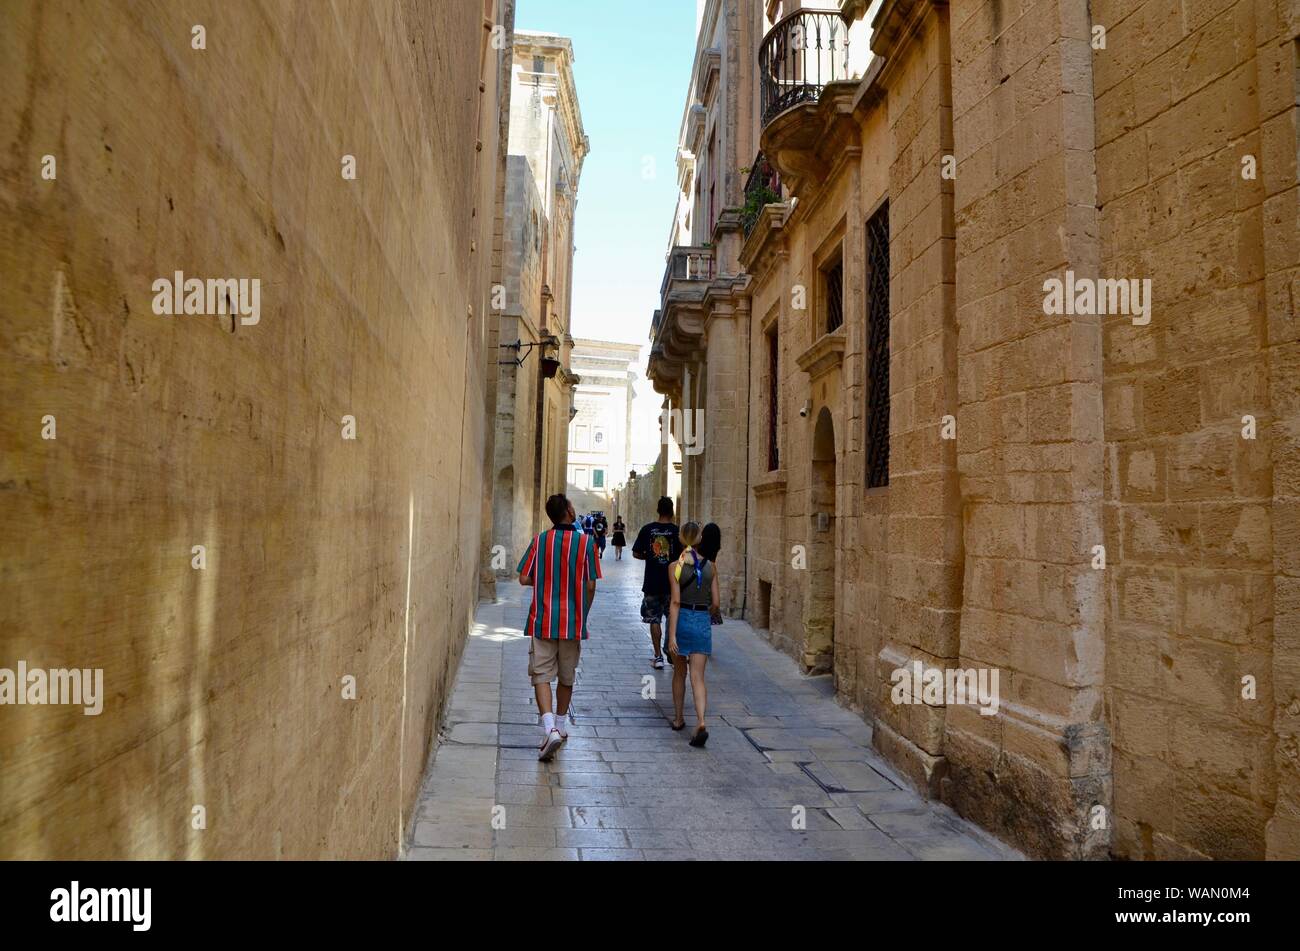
515	501
325	557
1200	524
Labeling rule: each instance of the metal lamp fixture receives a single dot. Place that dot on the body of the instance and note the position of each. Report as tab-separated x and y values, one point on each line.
550	365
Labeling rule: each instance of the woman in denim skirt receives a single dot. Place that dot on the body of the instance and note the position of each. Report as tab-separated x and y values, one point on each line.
693	584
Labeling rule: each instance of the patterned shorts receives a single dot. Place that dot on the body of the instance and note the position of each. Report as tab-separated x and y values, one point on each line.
654	608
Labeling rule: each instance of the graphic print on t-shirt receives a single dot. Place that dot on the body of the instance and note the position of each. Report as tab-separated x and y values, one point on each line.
657	542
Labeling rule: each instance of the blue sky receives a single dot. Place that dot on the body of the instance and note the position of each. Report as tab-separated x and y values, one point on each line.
632	65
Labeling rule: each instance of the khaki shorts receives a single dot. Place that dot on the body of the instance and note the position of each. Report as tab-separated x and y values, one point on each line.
549	659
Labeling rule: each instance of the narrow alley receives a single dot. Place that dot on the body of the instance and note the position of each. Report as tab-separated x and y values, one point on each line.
625	787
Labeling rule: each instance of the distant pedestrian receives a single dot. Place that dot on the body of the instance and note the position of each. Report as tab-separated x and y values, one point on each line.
620	539
598	527
694	584
709	546
657	545
562	567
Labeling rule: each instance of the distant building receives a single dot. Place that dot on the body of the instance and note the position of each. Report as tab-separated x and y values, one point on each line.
600	433
532	400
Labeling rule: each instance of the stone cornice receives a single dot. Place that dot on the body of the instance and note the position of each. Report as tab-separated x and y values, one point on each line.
824	355
565	89
695	122
896	22
708	70
871	91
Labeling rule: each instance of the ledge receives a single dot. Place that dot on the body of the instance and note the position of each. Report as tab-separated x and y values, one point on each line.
770	483
823	356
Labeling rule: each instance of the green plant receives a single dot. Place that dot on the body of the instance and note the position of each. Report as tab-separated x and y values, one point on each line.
755	202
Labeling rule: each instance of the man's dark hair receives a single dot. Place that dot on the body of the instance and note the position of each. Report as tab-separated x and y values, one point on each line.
557	508
665	507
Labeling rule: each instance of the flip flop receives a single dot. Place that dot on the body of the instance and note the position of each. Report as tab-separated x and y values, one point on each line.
700	738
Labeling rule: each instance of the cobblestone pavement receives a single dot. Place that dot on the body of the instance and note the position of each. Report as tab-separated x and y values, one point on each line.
625	786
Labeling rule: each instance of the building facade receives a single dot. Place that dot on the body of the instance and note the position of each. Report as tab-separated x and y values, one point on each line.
534	380
600	434
925	455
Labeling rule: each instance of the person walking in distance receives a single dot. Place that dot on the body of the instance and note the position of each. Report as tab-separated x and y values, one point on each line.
620	539
657	545
693	582
562	568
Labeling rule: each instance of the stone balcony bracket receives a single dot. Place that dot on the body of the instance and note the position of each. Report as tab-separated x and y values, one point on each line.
808	141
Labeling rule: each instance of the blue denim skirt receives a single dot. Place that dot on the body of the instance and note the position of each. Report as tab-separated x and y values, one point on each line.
694	632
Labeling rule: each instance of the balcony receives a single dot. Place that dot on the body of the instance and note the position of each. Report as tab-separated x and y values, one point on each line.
800	55
686	263
677	329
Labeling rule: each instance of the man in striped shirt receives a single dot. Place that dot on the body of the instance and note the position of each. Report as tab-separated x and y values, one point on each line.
562	568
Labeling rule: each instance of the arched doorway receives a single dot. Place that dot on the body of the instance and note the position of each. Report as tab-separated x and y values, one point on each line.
819	621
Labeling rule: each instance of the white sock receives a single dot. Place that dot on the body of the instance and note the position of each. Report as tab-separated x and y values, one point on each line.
548	723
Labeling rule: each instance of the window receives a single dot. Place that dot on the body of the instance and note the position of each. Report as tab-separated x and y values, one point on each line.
773	397
833	289
598	439
598	478
877	409
580	477
581	438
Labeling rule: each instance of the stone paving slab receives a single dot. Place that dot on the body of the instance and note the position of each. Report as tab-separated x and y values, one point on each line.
627	788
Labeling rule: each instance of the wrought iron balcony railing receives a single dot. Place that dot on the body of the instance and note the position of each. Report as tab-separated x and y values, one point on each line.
799	56
762	188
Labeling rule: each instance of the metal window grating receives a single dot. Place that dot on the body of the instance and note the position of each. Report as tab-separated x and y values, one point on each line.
877	414
773	395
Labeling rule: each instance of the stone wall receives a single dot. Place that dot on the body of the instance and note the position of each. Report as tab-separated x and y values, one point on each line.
1199	520
1029	427
326	558
515	501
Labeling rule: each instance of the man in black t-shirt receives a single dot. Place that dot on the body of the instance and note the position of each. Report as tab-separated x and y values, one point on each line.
658	546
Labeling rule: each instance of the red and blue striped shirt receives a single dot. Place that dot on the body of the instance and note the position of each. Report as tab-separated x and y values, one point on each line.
561	561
